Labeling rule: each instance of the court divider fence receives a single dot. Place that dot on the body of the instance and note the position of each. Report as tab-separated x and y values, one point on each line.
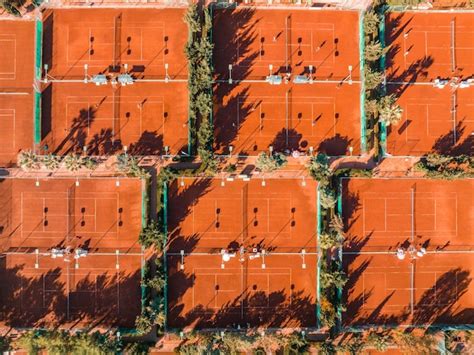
37	89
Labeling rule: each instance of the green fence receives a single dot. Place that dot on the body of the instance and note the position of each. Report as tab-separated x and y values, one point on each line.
339	290
318	270
144	212
165	260
38	47
363	140
383	126
37	93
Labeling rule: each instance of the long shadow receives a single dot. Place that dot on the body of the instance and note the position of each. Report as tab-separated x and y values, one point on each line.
255	308
232	48
337	145
149	143
416	70
102	143
48	39
439	304
77	133
450	144
180	205
105	299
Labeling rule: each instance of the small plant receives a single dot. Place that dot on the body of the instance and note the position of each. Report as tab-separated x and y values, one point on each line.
10	8
73	162
129	165
152	235
371	23
373	51
327	197
269	163
28	160
90	163
328	313
372	79
379	341
389	112
319	168
330	240
231	168
51	161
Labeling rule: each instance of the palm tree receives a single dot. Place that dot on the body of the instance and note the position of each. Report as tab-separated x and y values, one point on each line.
51	161
28	160
327	198
389	112
372	79
371	23
373	51
73	162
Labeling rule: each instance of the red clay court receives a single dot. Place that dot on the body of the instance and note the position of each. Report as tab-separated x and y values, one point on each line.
251	39
433	120
145	117
425	46
269	235
70	252
382	215
144	39
16	92
252	117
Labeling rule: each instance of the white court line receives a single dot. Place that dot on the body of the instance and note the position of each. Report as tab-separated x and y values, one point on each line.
13	74
13	115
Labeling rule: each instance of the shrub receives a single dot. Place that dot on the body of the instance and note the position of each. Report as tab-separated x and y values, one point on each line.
328	313
89	163
371	23
327	197
51	161
268	163
319	168
372	79
373	51
73	162
28	160
389	112
152	235
10	8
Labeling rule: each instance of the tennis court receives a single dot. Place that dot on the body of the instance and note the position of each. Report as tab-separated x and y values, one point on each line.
149	41
16	92
143	118
252	117
428	222
70	252
425	46
16	125
242	253
251	39
434	119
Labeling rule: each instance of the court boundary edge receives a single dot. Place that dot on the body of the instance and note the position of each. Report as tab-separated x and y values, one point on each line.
165	257
381	35
318	264
363	119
